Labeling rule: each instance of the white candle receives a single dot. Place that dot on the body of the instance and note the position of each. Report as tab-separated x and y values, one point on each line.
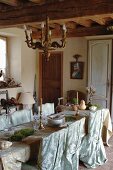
25	28
77	97
42	25
40	104
64	28
50	32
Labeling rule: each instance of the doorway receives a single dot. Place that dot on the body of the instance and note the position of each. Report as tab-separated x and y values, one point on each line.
51	77
99	71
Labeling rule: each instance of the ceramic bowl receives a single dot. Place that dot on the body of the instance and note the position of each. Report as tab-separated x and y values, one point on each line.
56	122
93	108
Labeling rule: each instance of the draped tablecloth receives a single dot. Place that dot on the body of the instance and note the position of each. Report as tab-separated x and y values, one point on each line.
107	131
12	158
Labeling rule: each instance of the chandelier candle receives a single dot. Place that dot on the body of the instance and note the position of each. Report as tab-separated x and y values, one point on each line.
45	42
77	97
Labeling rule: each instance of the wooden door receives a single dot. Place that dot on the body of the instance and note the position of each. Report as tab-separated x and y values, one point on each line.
99	71
51	77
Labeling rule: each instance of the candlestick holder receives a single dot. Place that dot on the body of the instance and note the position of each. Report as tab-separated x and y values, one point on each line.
41	126
77	111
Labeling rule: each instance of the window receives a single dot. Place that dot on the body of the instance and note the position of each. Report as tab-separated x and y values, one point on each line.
3	49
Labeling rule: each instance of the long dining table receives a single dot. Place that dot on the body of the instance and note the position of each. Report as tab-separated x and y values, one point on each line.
20	152
28	149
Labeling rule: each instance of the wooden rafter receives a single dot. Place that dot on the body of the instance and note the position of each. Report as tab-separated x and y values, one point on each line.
58	10
38	1
10	2
80	17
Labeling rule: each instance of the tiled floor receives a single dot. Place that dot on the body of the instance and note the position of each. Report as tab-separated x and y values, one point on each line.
109	164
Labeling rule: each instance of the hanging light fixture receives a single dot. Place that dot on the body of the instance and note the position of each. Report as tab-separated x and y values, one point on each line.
45	43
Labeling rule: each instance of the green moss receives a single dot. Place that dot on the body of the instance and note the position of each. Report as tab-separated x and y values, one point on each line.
19	135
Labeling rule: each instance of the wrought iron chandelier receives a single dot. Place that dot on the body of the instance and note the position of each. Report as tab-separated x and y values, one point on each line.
45	43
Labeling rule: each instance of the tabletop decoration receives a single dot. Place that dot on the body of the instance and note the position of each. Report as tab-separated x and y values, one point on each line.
91	91
41	126
20	134
82	105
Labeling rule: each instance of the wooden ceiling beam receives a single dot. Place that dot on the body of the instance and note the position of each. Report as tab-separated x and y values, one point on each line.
38	1
57	10
99	20
85	23
11	2
79	32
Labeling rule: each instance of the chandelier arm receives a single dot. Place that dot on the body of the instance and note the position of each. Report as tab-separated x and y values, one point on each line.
44	43
55	44
42	37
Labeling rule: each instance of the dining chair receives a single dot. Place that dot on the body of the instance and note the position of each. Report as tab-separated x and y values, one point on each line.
47	109
4	122
21	116
92	152
51	151
73	143
71	94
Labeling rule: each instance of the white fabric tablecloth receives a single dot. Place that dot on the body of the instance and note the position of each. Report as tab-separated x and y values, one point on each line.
107	131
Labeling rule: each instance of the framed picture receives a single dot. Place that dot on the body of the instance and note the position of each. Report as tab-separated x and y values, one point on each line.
76	70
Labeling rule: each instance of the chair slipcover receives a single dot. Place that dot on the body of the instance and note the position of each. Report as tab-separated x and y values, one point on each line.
50	156
47	109
20	117
51	151
73	143
4	122
92	152
60	150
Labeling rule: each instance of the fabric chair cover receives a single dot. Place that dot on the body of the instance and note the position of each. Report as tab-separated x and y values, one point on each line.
51	151
50	156
47	109
4	122
20	117
92	152
74	137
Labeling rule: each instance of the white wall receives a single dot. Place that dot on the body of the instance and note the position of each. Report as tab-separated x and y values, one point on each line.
28	68
14	56
23	61
21	58
74	46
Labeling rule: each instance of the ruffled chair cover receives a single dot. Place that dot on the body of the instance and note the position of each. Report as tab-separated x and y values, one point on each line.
60	150
20	117
74	137
47	109
4	122
51	151
92	152
50	156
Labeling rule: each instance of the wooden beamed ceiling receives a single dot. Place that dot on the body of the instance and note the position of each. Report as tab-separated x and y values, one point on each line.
81	17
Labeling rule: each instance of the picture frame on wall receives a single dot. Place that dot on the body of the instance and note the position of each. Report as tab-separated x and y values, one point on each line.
76	70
